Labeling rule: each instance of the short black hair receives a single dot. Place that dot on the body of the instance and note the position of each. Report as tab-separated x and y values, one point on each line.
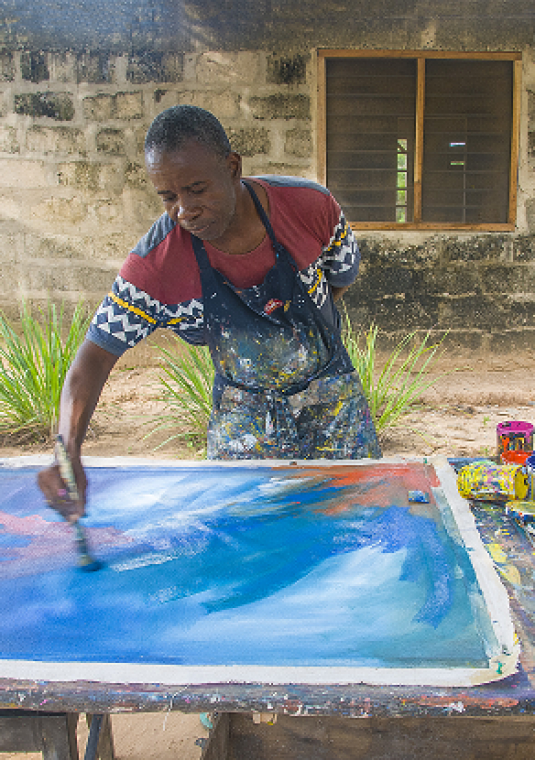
172	128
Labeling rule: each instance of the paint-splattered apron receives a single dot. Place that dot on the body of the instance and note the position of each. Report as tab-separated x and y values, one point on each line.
285	387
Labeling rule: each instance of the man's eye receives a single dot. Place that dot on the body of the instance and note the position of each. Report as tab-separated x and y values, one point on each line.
197	190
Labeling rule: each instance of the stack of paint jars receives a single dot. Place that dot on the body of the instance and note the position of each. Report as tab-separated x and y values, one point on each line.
524	510
515	446
513	481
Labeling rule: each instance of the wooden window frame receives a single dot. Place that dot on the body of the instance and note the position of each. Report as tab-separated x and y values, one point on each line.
420	56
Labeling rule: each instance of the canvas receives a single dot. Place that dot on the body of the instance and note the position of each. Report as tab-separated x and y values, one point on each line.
267	572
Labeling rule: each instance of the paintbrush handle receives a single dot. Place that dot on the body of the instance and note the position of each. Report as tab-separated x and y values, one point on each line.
65	468
81	540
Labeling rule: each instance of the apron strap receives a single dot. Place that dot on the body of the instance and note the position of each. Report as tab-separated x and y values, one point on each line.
262	214
200	253
198	246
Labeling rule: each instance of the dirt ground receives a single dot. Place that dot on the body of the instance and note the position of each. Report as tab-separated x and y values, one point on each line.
458	415
458	418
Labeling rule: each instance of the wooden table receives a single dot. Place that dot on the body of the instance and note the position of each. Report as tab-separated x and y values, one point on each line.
324	708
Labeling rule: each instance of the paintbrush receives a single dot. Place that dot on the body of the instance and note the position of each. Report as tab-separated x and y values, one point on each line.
85	560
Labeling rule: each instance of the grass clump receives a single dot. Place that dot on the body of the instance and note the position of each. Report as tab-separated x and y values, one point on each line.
186	384
34	359
394	390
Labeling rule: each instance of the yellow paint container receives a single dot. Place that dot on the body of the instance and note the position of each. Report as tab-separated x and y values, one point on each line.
493	482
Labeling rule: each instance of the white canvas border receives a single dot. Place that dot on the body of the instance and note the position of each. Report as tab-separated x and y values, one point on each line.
494	594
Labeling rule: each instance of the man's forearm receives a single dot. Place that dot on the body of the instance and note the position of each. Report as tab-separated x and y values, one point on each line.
81	392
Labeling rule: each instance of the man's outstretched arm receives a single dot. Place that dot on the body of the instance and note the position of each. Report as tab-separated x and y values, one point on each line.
81	391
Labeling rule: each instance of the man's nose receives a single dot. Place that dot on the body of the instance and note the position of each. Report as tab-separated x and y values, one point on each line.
186	211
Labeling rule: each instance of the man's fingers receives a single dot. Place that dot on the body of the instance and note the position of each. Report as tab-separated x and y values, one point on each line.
68	511
56	494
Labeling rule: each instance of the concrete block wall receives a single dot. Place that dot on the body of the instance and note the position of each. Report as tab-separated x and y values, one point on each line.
73	193
74	198
478	287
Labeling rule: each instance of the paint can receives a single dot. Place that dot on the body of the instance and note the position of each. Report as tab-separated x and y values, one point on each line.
515	457
514	435
493	482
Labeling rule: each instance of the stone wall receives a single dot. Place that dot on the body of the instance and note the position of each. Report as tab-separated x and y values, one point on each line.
73	192
480	288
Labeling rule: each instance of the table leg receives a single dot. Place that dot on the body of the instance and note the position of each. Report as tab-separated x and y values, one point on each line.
53	734
100	739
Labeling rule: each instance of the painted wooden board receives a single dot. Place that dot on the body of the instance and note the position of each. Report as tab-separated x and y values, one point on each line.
254	572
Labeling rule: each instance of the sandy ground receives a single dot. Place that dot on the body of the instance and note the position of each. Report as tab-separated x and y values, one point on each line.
458	418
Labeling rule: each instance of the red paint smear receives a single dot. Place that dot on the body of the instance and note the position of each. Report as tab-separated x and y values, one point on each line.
51	544
381	484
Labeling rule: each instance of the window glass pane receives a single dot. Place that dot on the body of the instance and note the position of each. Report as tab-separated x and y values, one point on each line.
467	141
371	105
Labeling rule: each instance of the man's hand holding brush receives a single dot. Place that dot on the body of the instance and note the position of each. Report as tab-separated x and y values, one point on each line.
60	495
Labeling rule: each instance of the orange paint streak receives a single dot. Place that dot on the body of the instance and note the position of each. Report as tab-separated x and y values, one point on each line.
377	485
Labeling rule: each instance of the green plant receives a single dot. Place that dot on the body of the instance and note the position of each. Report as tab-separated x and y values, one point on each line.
395	390
34	359
187	381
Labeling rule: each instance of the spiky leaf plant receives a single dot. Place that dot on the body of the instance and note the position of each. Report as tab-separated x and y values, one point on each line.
394	390
188	375
34	358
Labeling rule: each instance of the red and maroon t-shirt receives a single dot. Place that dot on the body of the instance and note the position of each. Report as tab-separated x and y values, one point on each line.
159	283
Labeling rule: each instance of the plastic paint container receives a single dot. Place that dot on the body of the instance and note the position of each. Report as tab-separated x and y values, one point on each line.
521	510
514	435
515	457
487	481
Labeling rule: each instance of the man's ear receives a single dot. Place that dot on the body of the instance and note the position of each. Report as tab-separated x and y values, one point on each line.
234	164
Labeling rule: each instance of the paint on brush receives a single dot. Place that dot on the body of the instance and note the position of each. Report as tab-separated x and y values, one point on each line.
85	560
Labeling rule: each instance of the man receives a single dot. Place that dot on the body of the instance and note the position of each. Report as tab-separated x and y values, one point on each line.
252	269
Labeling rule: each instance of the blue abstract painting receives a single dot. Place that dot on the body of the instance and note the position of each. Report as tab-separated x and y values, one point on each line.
214	565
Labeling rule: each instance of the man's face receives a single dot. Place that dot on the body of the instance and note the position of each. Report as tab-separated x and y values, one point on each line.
198	188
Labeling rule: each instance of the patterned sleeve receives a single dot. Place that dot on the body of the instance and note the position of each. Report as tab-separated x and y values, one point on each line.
340	259
338	264
128	314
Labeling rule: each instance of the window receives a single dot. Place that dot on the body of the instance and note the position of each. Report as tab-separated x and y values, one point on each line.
420	139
